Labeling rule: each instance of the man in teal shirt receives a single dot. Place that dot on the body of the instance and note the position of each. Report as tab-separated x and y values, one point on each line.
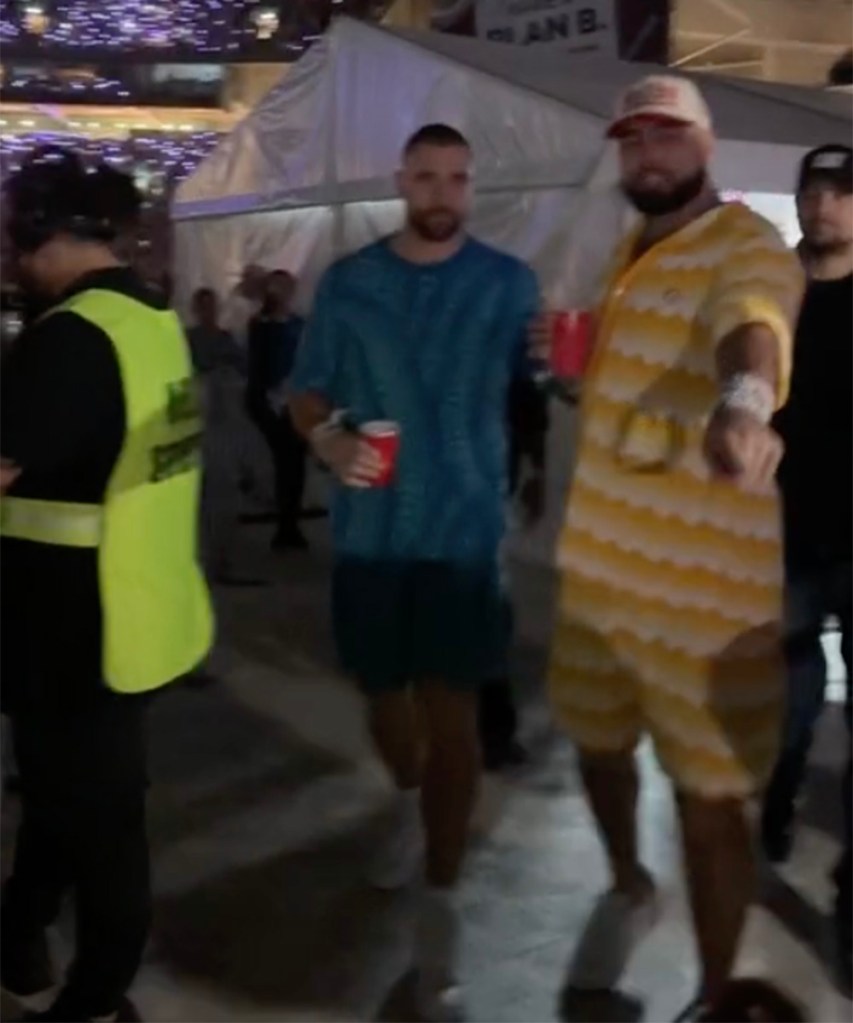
426	329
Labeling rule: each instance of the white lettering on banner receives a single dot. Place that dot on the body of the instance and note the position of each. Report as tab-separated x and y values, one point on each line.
575	26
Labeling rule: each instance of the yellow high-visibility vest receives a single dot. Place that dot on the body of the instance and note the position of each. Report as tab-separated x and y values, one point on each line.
157	616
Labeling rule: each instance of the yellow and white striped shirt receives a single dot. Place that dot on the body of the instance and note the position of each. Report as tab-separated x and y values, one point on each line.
669	573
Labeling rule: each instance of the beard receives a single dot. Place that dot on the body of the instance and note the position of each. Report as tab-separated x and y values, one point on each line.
823	245
435	225
822	250
654	203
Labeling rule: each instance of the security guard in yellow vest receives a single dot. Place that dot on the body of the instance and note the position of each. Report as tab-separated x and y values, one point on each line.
103	599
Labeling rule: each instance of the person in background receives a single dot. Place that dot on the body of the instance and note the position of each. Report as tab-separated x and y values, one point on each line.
244	302
103	599
256	468
220	367
816	477
211	345
527	411
424	329
669	618
274	336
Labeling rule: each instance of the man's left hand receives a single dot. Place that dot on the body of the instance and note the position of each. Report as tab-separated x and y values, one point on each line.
739	447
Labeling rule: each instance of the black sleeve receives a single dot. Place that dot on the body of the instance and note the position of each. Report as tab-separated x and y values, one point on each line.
62	409
528	420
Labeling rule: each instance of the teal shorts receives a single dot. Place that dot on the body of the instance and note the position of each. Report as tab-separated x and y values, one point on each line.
402	623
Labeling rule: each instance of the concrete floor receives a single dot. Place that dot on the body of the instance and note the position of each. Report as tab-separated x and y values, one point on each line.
265	800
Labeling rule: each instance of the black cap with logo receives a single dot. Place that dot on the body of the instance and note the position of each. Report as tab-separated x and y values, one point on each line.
833	164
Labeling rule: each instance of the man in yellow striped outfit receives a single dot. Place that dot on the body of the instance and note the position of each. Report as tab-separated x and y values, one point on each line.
671	551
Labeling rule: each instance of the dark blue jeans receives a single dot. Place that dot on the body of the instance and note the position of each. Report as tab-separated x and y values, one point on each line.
811	598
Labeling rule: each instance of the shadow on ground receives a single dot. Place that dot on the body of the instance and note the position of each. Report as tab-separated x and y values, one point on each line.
300	928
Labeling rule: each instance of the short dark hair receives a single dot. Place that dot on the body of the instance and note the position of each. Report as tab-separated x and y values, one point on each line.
54	193
435	135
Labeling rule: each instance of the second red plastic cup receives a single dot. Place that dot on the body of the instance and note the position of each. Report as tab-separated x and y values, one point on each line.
384	437
571	339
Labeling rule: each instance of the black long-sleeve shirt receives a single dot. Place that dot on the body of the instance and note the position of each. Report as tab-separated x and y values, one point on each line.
816	424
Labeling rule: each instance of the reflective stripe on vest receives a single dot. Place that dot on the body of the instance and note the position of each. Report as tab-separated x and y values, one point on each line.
156	613
52	522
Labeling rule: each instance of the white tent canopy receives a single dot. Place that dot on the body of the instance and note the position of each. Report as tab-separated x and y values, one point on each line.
309	174
330	132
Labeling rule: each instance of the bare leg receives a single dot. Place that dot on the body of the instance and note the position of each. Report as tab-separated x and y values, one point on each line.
397	735
720	875
611	784
623	916
450	779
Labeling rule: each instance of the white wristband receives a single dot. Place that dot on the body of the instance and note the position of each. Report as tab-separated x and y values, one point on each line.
749	392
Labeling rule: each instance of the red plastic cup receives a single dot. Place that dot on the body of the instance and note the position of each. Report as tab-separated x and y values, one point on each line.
571	339
384	437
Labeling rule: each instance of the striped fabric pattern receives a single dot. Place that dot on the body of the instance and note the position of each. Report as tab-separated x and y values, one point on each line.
672	581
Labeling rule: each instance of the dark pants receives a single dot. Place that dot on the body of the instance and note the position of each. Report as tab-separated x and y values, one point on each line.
83	781
810	599
498	717
290	460
291	472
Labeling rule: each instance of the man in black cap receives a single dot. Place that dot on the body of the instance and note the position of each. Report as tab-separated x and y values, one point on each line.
816	477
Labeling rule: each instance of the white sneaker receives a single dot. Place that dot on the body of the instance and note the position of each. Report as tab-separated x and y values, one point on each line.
618	924
438	996
397	860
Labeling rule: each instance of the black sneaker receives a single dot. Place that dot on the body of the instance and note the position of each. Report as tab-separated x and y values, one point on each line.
25	968
746	998
63	1011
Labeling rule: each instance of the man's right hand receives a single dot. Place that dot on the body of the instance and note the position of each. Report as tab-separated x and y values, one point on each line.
353	461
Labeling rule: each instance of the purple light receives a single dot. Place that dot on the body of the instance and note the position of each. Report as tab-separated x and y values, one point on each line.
174	157
100	87
208	26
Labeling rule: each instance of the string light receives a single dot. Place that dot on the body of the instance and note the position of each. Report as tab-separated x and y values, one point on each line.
200	26
92	87
156	154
